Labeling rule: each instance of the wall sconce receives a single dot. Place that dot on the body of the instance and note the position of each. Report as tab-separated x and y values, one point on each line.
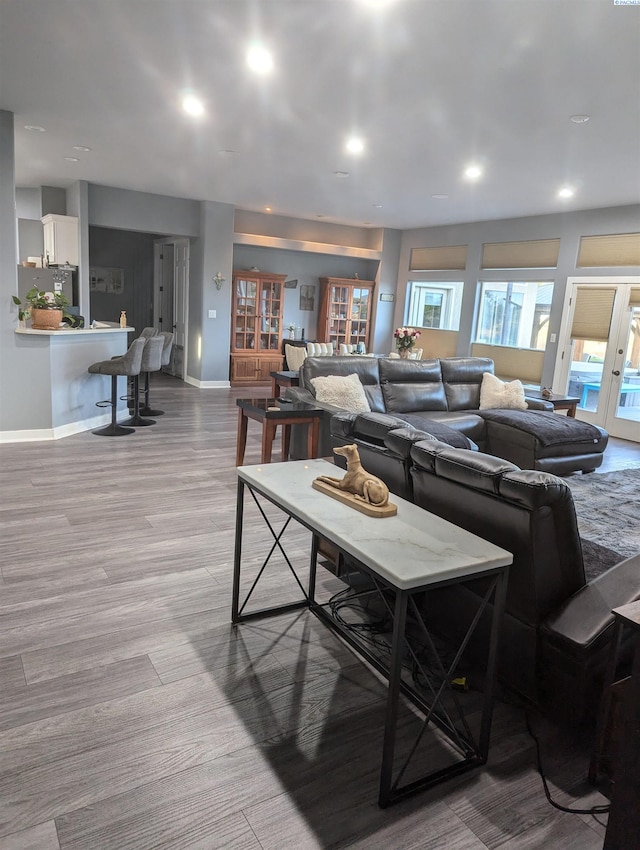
218	280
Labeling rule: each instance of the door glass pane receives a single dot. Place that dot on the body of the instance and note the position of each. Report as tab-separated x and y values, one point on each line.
628	403
585	377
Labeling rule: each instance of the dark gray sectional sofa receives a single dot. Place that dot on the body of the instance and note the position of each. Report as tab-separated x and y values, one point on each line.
442	397
558	626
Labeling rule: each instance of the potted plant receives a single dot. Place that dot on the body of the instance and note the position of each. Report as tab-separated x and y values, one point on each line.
45	308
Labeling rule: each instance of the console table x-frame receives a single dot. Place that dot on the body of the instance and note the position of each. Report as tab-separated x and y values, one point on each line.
402	556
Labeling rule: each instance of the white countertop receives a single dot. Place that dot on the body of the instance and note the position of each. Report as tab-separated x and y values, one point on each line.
75	331
412	549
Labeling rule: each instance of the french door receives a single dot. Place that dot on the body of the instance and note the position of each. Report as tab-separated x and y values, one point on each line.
599	352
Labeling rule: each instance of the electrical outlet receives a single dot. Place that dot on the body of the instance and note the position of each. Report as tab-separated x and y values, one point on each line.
212	314
552	337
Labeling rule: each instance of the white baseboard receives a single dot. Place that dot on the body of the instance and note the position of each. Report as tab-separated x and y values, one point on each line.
38	434
207	385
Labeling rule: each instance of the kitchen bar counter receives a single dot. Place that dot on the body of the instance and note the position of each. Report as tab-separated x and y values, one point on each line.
60	394
74	331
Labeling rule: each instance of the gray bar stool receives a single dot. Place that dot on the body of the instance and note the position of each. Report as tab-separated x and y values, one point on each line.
145	333
151	359
168	338
128	364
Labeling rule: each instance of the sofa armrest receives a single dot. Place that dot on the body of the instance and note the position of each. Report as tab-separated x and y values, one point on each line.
585	619
538	404
299	394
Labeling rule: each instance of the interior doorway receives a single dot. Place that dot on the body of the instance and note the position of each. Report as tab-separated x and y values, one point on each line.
170	303
599	352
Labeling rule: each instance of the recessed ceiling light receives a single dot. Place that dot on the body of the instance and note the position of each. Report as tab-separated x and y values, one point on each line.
377	206
440	197
72	159
579	119
81	148
34	128
342	175
267	209
566	192
192	105
355	145
259	59
473	172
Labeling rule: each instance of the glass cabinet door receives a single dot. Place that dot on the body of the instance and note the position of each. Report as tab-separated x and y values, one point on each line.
270	318
246	312
359	315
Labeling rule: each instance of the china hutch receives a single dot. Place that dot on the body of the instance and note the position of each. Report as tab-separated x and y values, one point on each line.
256	326
344	314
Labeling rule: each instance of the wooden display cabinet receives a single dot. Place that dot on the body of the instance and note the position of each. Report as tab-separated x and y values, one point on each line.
345	311
256	326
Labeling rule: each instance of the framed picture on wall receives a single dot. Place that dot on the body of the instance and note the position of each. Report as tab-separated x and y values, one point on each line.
106	280
307	296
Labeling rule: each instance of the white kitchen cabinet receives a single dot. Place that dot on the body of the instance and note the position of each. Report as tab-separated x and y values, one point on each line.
61	239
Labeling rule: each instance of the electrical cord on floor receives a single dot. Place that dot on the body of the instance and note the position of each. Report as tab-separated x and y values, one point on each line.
594	810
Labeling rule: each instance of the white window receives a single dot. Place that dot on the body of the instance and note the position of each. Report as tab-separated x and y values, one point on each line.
514	313
434	305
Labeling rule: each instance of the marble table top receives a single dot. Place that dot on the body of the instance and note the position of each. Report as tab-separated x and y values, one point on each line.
412	549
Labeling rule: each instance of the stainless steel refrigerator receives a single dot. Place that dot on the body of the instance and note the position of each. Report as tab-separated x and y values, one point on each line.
49	280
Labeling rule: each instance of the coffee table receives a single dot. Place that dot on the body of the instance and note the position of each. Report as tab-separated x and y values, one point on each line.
272	412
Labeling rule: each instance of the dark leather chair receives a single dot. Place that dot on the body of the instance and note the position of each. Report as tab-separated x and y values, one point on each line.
557	627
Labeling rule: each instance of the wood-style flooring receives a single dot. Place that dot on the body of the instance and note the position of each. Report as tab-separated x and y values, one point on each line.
134	716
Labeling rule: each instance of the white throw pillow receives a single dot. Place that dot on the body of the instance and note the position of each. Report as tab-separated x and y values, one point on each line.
497	393
344	391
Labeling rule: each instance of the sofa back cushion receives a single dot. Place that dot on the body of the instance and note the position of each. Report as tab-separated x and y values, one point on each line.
528	513
366	368
411	385
462	377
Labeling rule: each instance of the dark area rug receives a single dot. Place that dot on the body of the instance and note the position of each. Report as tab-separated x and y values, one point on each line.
608	510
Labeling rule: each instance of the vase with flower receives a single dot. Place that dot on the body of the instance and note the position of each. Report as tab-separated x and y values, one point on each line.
405	340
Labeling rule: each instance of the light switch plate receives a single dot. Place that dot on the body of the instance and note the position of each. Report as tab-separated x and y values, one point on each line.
212	314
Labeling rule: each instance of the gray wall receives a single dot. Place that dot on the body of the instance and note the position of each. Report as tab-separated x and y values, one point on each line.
132	252
568	227
306	269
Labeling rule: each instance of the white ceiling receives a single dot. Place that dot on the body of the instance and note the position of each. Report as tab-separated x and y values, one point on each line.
431	85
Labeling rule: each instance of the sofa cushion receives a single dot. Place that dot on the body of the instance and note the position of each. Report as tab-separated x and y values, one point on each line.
411	385
549	429
366	368
462	377
477	470
495	393
465	422
343	391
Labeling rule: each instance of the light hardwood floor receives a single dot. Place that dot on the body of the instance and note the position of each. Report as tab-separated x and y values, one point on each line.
134	716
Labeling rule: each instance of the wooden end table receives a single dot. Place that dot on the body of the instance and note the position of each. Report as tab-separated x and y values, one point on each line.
271	412
558	400
285	378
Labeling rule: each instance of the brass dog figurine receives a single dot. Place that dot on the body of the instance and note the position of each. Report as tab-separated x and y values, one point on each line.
357	480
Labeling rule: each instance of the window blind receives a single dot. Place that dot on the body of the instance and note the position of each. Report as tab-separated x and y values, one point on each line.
443	258
634	296
592	313
534	254
619	249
